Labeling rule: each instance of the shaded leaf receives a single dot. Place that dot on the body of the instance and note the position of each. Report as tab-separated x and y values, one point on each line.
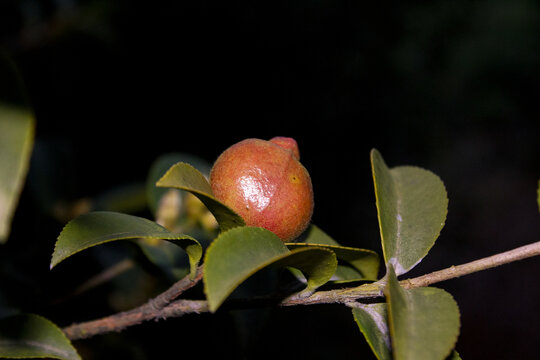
101	227
185	177
126	198
27	336
315	235
424	322
366	262
372	320
237	254
168	206
16	141
454	356
170	258
412	207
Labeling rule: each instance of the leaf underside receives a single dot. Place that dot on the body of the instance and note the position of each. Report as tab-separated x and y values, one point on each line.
372	320
424	322
412	206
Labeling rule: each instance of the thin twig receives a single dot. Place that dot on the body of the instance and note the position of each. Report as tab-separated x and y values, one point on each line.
153	309
489	262
99	279
163	306
163	299
374	290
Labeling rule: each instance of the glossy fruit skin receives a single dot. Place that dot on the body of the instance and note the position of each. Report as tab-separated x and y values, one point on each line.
264	182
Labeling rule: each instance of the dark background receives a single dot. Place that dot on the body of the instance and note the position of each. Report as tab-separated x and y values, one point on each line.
451	86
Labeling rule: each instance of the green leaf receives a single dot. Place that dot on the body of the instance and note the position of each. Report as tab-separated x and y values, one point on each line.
101	227
454	356
372	320
166	256
27	336
239	253
315	235
185	177
159	168
424	322
412	206
364	264
365	261
16	142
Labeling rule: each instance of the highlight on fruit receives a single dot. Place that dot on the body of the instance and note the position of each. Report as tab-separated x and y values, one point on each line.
265	183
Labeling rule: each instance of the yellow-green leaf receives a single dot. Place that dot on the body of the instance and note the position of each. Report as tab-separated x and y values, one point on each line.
185	177
27	336
239	253
101	227
412	206
424	322
16	141
454	356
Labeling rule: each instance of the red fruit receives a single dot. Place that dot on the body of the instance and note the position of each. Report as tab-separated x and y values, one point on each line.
264	182
288	144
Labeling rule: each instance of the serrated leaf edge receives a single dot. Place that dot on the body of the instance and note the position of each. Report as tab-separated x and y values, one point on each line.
133	236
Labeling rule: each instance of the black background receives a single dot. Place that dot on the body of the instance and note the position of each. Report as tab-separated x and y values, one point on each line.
448	86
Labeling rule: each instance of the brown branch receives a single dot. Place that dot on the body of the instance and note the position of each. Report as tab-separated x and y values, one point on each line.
153	309
506	257
163	307
374	290
163	299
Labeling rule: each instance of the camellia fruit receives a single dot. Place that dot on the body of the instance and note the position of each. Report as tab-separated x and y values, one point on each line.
265	183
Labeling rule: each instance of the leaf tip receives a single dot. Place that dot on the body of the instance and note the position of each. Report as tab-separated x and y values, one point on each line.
161	181
54	259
